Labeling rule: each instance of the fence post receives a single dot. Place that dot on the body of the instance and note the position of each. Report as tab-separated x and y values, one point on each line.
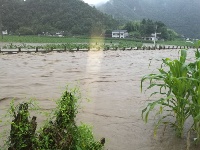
19	48
36	49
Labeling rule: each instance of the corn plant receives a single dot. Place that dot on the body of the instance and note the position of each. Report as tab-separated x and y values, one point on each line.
195	93
174	88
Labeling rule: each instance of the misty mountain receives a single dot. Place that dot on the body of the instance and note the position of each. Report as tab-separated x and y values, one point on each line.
38	16
181	15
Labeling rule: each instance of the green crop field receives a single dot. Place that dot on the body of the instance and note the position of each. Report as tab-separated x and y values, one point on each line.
88	40
43	39
176	42
66	41
53	39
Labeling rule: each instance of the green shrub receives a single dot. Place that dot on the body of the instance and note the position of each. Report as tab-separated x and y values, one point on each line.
61	132
22	131
25	31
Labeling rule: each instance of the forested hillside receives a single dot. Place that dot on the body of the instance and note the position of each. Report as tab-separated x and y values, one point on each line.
41	16
180	15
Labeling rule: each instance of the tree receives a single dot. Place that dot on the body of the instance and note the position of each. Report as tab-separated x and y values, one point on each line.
57	15
146	27
129	26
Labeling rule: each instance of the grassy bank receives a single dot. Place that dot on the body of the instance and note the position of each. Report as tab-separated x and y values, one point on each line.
85	40
53	39
176	42
43	39
74	42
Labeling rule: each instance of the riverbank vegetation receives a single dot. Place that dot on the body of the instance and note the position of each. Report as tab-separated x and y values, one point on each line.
178	84
43	42
59	132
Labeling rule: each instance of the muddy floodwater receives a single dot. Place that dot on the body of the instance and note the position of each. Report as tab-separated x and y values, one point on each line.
109	81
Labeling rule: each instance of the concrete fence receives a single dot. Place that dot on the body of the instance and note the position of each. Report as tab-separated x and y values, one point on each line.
65	49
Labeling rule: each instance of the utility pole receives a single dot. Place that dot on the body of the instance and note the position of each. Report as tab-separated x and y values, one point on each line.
1	19
155	37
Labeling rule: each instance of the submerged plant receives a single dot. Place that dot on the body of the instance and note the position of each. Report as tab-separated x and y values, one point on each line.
22	133
179	89
195	94
61	132
174	85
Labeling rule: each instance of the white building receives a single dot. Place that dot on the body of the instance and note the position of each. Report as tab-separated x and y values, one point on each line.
151	38
5	32
119	33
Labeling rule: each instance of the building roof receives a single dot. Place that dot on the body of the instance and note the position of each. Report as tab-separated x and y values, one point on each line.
119	31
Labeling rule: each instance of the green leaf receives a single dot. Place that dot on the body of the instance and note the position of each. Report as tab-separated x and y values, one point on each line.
197	118
78	148
183	56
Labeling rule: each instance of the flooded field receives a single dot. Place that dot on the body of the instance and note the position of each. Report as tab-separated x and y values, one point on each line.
109	79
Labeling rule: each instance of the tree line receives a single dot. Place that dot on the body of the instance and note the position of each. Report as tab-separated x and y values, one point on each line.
146	27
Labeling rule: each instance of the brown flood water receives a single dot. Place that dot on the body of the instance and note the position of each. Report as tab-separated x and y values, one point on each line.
110	79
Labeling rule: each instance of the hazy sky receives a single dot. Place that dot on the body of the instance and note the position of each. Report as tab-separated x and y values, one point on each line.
95	1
